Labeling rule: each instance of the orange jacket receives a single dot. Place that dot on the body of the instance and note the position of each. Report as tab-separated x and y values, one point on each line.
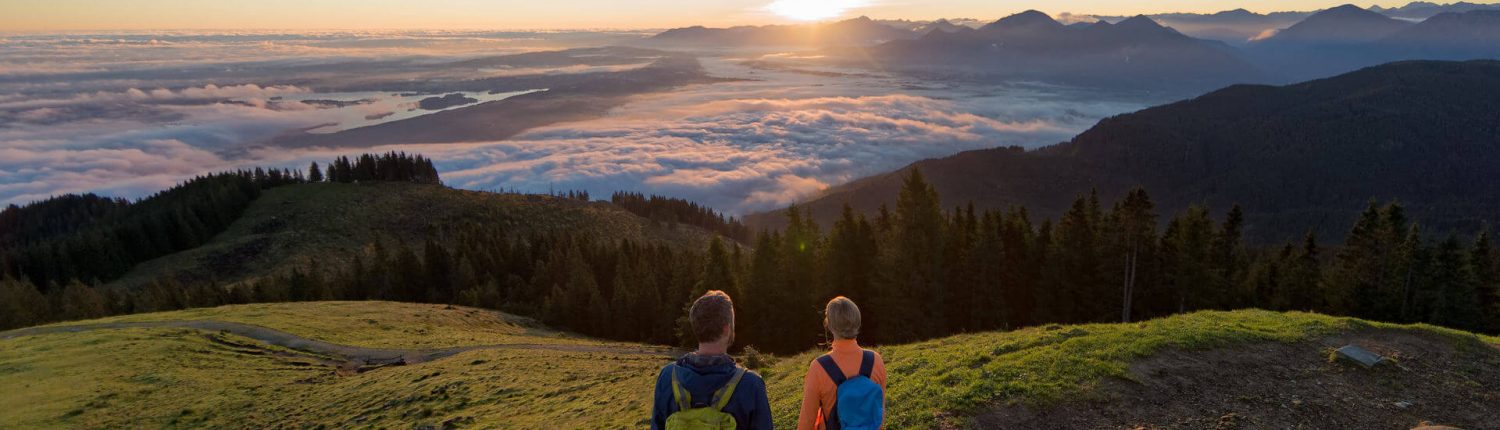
818	391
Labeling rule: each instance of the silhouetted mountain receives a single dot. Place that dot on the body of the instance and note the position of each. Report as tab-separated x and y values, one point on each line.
1028	22
1422	10
861	31
1327	43
1236	26
1450	36
1340	25
942	25
1347	38
1136	52
1426	133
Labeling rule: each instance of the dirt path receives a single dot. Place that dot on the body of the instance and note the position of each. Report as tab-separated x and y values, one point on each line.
350	356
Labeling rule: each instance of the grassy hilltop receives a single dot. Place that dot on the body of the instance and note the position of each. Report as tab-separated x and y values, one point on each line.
178	377
313	225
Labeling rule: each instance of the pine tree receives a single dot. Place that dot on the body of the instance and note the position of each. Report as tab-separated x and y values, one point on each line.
314	173
1132	236
1304	276
438	276
762	293
1075	273
1187	259
796	306
851	254
1020	270
1229	261
1367	279
718	271
915	295
1451	288
1486	267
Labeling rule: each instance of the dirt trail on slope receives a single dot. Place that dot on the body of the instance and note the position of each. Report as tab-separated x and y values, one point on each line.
1287	386
355	357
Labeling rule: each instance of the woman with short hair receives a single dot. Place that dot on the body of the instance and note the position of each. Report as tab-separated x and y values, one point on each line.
845	388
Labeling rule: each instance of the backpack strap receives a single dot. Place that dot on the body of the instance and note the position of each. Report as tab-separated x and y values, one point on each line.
681	395
721	398
868	364
832	369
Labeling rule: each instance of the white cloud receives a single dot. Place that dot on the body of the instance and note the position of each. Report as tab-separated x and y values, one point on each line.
762	141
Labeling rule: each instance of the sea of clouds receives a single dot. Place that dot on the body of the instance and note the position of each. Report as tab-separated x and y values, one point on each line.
130	114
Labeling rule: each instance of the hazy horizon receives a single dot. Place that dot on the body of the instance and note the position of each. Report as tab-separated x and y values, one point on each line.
68	16
740	121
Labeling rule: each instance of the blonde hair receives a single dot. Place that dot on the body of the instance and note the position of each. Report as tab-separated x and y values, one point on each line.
841	316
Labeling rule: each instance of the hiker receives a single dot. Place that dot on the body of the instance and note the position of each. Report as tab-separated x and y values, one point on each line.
705	389
845	388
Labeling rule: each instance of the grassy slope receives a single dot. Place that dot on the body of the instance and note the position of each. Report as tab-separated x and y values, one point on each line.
943	380
376	324
172	377
167	377
308	225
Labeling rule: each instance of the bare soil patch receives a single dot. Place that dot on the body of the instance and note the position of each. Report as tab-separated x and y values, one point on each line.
1288	386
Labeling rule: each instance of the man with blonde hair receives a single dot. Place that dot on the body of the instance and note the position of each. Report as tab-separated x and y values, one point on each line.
845	388
705	389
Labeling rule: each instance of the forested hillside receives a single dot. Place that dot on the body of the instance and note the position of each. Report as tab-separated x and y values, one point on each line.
919	270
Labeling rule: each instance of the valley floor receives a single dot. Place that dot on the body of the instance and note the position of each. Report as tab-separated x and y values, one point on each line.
398	365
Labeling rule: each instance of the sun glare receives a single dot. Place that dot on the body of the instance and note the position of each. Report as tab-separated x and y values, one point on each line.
812	10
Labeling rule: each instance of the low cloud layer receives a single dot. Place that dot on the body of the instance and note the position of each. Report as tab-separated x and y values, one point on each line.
737	155
764	140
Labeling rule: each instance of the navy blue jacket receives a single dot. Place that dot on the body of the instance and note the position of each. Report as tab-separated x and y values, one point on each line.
702	375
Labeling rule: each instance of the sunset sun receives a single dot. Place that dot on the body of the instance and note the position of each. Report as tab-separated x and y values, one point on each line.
812	10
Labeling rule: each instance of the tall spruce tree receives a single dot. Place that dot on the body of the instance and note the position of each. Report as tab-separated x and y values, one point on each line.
914	263
1486	264
314	173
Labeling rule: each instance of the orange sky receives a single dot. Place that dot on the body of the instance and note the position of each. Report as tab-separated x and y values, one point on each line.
61	15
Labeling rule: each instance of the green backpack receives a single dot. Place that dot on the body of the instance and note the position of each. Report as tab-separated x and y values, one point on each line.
710	417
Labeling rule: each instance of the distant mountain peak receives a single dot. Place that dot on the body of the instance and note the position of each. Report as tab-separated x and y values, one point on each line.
1347	10
1342	24
1028	19
1139	21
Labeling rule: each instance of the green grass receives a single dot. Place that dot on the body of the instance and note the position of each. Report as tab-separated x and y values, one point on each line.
376	324
175	378
166	378
317	225
946	380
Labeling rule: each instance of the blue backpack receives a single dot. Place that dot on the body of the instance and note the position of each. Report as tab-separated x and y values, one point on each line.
860	403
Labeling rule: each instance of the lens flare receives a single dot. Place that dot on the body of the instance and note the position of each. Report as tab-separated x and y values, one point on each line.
813	10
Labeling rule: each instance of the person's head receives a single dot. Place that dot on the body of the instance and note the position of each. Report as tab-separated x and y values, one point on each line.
712	317
841	318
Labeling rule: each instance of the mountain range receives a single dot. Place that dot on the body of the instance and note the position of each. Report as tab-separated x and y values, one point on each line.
1191	53
860	31
1033	46
1422	10
1348	37
1297	157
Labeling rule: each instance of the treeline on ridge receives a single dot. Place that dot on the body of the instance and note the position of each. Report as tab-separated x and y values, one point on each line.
669	210
97	239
